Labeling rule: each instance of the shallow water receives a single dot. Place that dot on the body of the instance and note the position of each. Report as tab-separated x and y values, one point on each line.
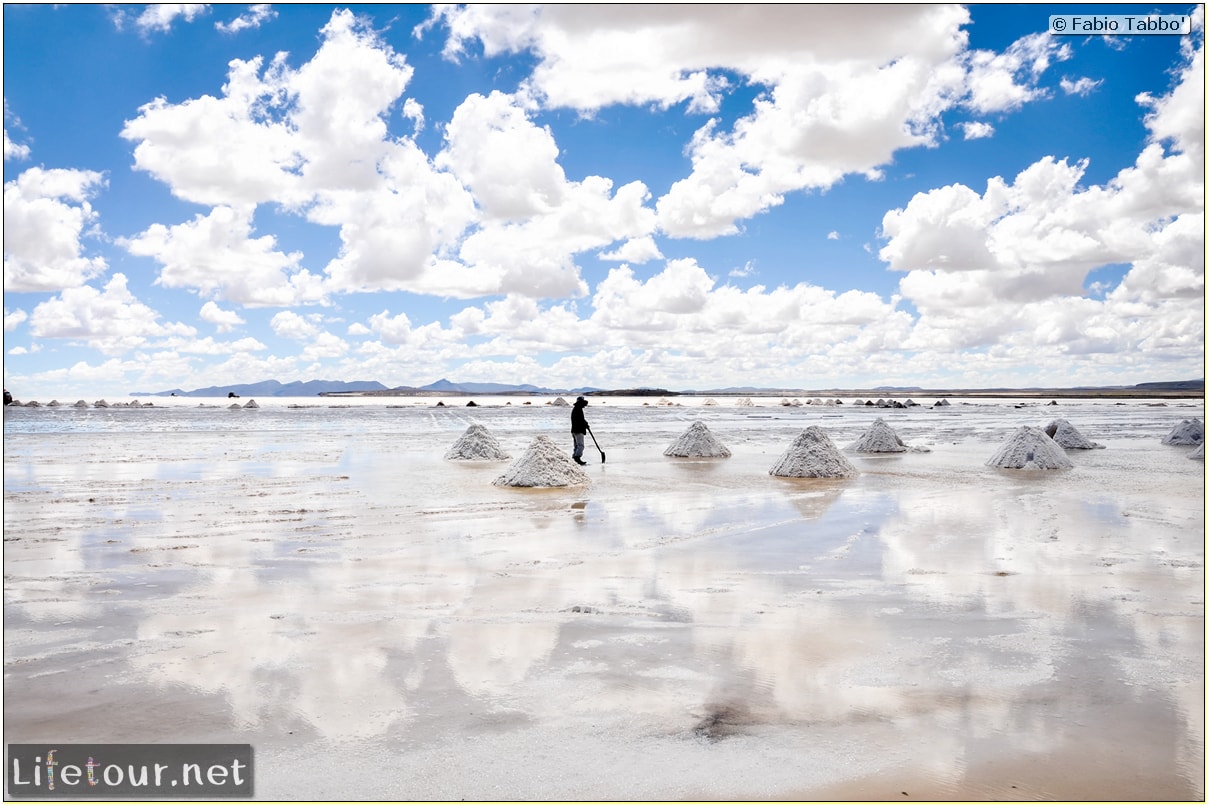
381	623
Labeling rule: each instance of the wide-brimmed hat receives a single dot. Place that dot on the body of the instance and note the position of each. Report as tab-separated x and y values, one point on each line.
580	401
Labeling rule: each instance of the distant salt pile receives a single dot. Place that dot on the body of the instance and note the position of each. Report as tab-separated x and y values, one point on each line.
477	444
79	404
251	404
1199	453
697	441
878	438
1030	448
941	402
744	401
813	455
558	401
101	404
710	402
542	465
1066	435
54	404
1189	432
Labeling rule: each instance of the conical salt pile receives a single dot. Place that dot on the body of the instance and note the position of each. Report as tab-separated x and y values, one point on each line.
1189	432
1030	448
560	401
697	441
813	455
477	443
1199	453
542	465
1066	435
879	438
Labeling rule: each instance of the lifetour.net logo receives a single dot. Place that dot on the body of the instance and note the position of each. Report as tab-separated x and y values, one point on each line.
103	771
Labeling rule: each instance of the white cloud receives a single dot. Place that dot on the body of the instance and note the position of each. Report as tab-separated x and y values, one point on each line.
224	321
111	320
46	214
833	236
634	250
256	15
13	319
293	326
217	256
14	151
974	130
1081	86
1005	271
160	16
1001	82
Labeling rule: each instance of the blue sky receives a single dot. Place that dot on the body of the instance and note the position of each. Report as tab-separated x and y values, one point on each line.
678	196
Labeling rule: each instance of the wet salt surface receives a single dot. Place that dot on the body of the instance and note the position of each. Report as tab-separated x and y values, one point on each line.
379	622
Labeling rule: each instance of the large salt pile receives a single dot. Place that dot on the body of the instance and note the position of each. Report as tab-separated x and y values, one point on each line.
1189	432
477	443
697	441
560	401
813	455
542	465
1030	448
879	438
744	401
1068	436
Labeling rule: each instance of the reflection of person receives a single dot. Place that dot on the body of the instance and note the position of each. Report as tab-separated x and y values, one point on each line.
579	427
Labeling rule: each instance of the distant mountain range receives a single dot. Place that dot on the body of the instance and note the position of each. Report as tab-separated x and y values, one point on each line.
445	386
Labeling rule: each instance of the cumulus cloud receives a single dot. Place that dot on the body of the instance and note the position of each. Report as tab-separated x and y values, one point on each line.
13	319
843	90
224	321
111	319
256	15
47	213
293	326
216	256
635	250
974	130
1081	86
12	149
1008	268
160	16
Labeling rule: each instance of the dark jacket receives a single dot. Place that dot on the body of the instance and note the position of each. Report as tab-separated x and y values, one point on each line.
579	425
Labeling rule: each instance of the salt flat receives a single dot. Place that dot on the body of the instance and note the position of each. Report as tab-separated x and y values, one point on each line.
379	622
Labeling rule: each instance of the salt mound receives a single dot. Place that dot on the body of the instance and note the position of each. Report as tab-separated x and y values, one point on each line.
558	401
813	455
477	443
1199	453
879	438
697	441
744	401
1030	449
1189	432
79	404
710	402
101	404
1068	436
251	404
542	465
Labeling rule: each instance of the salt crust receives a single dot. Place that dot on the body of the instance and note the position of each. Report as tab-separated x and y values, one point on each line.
1066	435
697	441
1189	432
1030	448
813	455
542	465
879	438
477	443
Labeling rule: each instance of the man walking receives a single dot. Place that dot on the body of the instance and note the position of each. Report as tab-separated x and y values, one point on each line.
579	427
